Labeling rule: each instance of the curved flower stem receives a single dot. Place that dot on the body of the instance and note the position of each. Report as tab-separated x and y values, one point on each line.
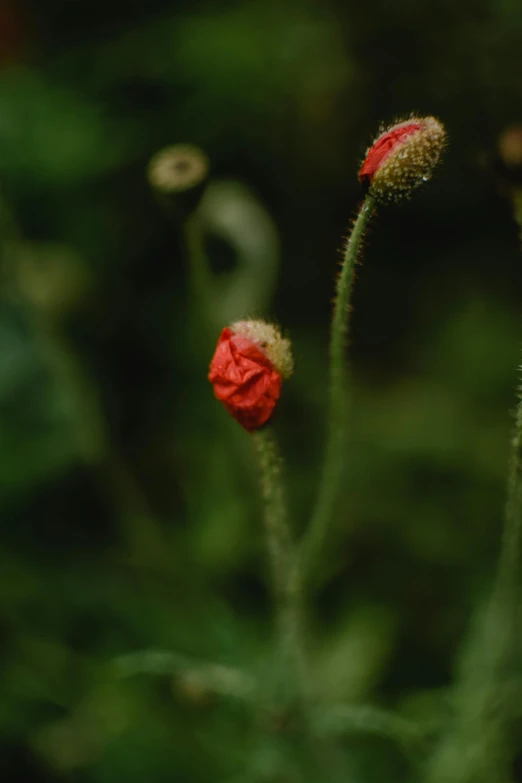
511	552
508	577
282	554
333	465
476	748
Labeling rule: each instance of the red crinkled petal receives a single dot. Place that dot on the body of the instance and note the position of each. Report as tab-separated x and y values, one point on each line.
244	380
383	148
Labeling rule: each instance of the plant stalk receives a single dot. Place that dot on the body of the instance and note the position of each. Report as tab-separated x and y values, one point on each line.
286	582
334	461
476	748
200	274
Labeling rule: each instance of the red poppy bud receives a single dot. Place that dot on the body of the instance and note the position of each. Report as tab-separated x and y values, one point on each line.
402	158
246	371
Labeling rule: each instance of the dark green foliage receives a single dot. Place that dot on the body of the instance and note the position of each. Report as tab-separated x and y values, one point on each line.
130	509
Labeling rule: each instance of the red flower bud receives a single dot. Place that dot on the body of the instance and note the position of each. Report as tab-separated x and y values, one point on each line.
402	158
246	371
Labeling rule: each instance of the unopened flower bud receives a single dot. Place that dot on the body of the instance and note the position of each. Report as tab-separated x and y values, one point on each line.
250	361
402	158
178	174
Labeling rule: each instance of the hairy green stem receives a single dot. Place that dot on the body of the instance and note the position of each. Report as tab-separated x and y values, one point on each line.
334	460
294	694
282	554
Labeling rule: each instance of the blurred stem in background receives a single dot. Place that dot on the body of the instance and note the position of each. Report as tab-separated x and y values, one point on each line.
508	167
48	281
478	746
95	445
508	580
517	209
178	176
201	284
230	213
334	461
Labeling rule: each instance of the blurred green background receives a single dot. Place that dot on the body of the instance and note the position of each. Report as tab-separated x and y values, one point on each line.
129	503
